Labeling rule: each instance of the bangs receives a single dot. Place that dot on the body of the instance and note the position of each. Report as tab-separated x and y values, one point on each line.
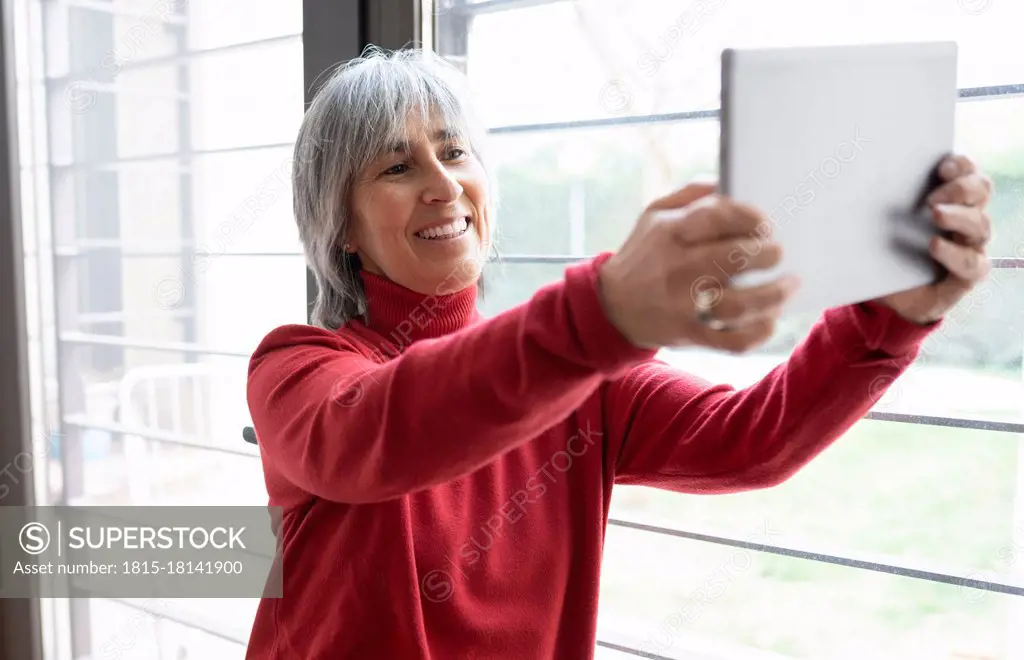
406	94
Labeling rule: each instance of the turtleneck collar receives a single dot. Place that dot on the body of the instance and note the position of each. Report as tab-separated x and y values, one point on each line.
403	316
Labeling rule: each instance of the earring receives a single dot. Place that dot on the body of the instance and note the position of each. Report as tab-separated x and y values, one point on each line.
348	247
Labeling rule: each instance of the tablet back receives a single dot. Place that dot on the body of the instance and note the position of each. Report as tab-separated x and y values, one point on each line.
839	146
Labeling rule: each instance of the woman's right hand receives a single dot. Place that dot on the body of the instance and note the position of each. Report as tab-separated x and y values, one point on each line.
686	246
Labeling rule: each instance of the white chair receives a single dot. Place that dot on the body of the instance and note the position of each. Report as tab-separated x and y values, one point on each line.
188	404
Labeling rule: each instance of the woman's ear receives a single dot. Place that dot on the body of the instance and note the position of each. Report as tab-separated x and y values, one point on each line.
348	245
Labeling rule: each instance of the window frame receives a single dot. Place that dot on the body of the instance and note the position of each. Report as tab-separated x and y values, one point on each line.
20	629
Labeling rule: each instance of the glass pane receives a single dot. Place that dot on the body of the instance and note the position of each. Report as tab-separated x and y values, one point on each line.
220	23
721	602
130	32
179	641
187	400
137	238
969	367
509	284
610	58
581	191
129	470
243	202
155	92
992	133
223	95
940	496
247	97
121	631
241	299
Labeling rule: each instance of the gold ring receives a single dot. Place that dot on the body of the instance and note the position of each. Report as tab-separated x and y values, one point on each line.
703	306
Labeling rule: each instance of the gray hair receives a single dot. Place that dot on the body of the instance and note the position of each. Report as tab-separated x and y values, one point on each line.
358	112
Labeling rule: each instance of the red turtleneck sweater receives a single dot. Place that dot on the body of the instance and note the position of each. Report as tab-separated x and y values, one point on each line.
445	479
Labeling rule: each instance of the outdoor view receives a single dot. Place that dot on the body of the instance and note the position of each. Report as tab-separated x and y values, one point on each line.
916	495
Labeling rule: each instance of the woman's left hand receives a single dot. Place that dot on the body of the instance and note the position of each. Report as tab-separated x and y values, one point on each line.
959	207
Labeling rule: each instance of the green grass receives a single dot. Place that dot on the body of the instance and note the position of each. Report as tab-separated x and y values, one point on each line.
931	495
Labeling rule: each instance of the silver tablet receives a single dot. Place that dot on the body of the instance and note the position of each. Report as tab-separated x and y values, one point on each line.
840	145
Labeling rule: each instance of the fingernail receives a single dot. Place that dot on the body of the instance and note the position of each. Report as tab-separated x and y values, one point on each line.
949	169
944	208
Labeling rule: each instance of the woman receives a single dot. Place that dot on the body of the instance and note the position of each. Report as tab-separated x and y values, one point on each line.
445	479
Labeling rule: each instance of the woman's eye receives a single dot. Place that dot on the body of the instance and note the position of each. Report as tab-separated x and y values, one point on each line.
397	169
455	153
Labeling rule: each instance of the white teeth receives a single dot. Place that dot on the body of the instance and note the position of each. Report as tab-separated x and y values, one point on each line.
449	230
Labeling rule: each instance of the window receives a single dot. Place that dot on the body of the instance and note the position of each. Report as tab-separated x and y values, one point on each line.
900	541
159	248
156	145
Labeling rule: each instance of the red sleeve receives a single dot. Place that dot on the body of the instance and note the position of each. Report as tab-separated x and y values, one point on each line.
339	425
682	433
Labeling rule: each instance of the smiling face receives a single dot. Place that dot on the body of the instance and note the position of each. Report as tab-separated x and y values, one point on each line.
420	211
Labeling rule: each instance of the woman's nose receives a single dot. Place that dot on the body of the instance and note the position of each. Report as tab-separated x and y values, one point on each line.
442	187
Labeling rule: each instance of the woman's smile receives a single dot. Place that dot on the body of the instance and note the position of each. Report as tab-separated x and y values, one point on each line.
421	207
450	230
